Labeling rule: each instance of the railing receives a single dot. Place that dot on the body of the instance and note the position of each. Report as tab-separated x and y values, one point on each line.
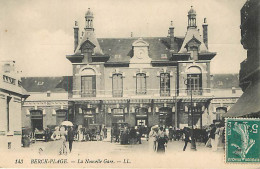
118	93
89	93
148	93
194	92
165	92
9	80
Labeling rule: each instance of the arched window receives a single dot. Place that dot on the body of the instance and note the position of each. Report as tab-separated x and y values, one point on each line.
194	80
140	83
88	83
118	115
117	85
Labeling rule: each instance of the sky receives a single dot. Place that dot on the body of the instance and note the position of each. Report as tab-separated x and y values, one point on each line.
38	34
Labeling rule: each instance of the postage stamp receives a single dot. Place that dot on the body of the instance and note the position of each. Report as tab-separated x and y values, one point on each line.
242	140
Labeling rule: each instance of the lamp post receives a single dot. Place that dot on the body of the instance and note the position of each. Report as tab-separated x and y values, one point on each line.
193	142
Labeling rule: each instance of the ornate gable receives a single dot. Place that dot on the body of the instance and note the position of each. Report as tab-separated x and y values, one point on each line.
141	55
192	43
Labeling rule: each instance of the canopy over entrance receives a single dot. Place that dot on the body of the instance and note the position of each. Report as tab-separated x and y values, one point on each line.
248	103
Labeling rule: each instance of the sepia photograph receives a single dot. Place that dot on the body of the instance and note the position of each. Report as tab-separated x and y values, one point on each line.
130	84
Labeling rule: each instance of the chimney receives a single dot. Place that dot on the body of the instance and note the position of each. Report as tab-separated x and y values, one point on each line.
205	32
171	35
132	35
76	35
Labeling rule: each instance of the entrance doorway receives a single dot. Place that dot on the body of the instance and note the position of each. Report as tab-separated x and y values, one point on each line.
89	117
141	118
60	116
88	120
36	120
165	116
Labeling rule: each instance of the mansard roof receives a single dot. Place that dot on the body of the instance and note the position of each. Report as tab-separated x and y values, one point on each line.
64	83
224	81
44	84
120	49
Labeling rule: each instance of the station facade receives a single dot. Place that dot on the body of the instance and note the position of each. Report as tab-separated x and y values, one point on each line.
141	81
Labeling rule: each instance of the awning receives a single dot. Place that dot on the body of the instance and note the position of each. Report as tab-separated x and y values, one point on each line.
195	99
248	103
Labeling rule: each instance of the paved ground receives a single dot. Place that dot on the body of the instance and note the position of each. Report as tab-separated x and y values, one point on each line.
106	154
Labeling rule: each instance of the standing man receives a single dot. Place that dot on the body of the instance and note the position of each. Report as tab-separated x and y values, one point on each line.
70	137
186	137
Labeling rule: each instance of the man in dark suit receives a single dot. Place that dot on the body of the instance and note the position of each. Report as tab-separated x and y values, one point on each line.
186	137
70	137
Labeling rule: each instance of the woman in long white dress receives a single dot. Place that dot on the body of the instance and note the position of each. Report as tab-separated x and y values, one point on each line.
215	143
63	147
80	131
153	139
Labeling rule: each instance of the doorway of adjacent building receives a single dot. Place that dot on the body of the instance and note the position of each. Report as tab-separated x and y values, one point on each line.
61	115
36	120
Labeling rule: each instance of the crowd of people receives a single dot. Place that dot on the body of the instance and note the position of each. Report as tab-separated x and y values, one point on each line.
158	137
60	136
97	133
216	136
128	135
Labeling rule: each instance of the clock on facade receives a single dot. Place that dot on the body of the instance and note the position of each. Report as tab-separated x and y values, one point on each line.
140	53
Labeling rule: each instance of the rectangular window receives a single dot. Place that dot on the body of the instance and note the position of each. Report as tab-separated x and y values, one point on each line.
141	83
88	86
8	112
117	85
165	84
194	84
194	53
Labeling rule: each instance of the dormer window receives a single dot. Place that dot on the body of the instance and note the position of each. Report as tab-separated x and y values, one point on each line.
194	53
163	56
40	83
233	90
48	94
117	56
193	47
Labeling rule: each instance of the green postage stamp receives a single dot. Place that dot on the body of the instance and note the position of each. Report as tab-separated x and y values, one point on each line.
242	140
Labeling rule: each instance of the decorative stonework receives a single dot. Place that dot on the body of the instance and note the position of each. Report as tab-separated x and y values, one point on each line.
141	57
45	103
